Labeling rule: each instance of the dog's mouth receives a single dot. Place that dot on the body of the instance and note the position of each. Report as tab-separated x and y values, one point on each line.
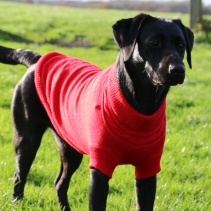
174	80
156	79
156	82
170	80
164	77
153	76
174	83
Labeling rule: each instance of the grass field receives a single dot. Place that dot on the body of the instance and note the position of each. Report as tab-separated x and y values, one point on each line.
183	183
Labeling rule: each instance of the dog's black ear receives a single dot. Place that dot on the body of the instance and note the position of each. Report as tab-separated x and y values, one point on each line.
125	33
189	39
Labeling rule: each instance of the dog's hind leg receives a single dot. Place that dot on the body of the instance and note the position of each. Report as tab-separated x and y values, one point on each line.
26	147
70	161
30	122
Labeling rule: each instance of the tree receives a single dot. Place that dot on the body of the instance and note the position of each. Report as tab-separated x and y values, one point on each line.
195	12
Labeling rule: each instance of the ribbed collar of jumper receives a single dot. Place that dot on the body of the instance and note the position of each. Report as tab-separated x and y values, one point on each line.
122	113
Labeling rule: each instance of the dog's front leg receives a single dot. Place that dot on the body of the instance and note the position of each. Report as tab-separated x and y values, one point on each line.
145	193
98	191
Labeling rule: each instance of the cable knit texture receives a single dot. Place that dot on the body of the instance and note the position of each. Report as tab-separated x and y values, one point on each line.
89	111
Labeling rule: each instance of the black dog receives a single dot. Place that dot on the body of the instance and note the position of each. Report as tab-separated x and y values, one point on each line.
149	62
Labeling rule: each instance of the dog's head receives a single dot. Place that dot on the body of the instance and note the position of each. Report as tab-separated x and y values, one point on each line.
157	43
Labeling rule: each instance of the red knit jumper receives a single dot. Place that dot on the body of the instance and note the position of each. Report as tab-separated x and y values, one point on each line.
89	111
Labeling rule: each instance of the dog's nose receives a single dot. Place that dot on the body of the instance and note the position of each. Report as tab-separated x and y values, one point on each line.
177	69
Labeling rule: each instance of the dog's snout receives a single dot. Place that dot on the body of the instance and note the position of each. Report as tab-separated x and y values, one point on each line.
177	69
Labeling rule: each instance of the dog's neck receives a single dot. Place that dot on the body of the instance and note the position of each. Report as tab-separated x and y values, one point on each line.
137	88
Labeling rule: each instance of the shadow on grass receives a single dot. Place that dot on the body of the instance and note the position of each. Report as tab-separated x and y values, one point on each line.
61	42
78	42
7	36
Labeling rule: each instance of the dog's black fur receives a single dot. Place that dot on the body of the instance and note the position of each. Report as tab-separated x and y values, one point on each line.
149	62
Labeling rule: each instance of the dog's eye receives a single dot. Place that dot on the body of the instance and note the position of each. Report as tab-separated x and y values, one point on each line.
181	46
154	43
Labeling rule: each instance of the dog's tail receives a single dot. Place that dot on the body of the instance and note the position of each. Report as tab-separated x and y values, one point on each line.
19	56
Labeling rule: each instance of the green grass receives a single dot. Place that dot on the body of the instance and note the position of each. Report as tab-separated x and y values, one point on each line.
183	183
